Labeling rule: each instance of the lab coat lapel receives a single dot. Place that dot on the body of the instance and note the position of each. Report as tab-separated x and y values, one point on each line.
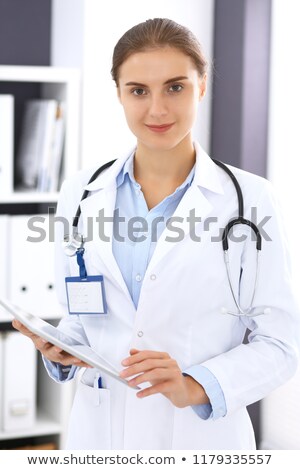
99	204
102	197
193	200
206	182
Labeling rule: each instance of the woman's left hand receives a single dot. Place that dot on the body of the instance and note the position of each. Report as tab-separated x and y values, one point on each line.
165	377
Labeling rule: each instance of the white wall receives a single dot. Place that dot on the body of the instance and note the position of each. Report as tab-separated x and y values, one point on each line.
284	144
84	33
281	410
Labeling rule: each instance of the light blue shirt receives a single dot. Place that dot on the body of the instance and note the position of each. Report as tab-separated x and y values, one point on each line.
133	252
133	258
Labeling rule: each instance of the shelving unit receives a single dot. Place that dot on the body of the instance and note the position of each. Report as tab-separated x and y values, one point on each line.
44	426
54	402
63	84
23	198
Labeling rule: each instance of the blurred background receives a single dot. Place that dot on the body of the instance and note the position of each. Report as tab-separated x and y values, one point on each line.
59	52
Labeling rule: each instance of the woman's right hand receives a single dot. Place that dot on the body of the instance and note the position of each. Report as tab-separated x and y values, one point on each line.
49	351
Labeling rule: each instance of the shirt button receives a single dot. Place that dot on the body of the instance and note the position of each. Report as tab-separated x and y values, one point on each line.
153	277
138	278
140	334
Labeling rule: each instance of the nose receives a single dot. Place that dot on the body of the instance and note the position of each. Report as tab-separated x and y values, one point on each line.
158	106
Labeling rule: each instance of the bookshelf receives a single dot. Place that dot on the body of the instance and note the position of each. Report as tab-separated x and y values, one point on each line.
43	82
24	83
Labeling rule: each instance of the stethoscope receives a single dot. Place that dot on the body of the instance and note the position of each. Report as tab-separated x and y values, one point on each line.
73	244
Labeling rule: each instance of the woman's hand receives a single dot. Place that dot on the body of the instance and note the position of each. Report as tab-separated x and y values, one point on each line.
51	352
165	376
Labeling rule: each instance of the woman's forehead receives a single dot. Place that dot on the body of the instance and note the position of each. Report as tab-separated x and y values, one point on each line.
160	64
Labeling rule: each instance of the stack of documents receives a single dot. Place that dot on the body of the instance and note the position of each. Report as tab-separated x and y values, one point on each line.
40	150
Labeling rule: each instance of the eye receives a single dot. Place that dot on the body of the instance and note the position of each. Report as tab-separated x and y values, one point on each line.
176	88
138	92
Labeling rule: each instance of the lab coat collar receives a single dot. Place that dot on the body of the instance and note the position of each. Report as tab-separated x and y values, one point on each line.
109	176
206	172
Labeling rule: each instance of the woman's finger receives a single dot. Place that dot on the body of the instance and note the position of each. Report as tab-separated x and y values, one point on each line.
49	351
25	331
146	365
55	354
160	375
142	355
161	387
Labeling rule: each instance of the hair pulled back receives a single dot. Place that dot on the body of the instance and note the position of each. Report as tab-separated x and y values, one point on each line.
156	33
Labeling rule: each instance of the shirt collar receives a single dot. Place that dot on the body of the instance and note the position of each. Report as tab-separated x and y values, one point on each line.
128	169
206	173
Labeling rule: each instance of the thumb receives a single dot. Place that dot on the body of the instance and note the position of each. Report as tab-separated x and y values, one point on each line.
134	351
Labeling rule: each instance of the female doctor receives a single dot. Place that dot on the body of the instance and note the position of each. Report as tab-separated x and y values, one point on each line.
174	324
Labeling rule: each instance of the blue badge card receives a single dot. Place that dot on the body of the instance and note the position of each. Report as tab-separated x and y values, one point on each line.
86	295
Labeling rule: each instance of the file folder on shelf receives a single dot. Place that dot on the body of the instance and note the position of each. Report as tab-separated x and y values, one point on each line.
40	150
19	382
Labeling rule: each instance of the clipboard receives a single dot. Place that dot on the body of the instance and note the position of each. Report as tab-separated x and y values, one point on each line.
66	342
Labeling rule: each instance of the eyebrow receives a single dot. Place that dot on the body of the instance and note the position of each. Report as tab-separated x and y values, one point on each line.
170	80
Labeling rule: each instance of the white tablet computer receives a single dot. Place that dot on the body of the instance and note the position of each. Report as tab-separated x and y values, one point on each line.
63	341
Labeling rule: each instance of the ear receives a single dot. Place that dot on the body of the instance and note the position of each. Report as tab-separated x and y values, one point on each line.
202	86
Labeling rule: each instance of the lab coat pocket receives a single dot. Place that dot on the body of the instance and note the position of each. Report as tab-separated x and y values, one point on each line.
90	422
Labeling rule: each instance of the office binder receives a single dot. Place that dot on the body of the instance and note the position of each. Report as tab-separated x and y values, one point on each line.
54	165
4	266
19	381
1	381
6	143
31	273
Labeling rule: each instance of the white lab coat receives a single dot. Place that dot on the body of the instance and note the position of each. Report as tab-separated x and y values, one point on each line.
179	311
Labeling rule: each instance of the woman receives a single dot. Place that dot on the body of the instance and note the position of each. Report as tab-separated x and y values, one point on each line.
165	280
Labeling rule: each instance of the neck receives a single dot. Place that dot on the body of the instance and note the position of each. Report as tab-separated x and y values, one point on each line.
164	165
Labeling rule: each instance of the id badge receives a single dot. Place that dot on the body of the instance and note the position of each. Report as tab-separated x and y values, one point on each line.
86	295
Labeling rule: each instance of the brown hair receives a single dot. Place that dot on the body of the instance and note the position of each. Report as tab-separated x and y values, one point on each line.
155	33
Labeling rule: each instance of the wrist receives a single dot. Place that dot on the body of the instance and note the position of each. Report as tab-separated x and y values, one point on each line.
196	393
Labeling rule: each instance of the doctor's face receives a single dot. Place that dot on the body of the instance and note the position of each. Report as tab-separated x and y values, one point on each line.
159	90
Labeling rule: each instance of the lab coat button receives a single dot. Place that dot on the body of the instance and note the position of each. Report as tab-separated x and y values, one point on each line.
152	277
138	277
140	334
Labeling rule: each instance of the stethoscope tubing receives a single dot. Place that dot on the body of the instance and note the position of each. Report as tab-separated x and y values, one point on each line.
77	240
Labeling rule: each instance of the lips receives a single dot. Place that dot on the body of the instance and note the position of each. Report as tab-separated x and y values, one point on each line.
160	128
